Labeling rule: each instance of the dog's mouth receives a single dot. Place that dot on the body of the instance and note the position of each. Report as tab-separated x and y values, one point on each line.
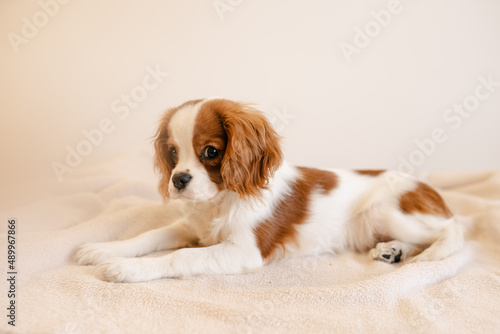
192	196
181	194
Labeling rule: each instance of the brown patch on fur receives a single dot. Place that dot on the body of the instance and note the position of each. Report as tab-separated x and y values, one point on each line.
292	210
163	161
370	172
424	200
252	152
209	131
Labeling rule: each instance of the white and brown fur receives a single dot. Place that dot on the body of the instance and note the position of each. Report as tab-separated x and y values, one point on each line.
246	206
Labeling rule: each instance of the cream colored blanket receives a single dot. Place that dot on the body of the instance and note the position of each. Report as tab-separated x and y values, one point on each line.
347	293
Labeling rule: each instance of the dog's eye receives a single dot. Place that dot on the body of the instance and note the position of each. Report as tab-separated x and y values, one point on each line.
210	152
173	153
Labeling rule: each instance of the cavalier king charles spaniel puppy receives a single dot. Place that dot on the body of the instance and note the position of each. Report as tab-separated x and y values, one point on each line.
245	206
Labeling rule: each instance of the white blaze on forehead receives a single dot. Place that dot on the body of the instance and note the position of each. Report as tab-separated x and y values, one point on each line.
181	127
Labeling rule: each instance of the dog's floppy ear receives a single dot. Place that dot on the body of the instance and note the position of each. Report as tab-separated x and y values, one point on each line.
163	161
253	151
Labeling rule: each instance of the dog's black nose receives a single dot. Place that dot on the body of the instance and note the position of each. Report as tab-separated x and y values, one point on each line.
180	180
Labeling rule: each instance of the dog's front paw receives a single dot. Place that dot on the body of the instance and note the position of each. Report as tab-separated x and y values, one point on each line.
94	253
122	270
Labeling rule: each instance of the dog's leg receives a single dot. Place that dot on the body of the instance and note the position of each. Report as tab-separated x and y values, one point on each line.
173	236
440	244
449	241
224	258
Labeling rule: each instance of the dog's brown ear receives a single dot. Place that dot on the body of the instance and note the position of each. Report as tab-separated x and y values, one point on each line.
163	161
253	151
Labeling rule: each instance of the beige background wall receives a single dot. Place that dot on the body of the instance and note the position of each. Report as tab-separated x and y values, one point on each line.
67	68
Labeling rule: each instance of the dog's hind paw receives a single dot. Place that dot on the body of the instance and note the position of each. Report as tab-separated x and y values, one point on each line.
390	252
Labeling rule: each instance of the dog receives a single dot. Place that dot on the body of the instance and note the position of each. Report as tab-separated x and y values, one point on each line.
247	207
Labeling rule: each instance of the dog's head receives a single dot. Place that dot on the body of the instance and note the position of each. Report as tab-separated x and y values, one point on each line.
204	147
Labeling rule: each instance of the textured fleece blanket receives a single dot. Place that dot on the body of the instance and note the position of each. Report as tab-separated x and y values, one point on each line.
347	293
